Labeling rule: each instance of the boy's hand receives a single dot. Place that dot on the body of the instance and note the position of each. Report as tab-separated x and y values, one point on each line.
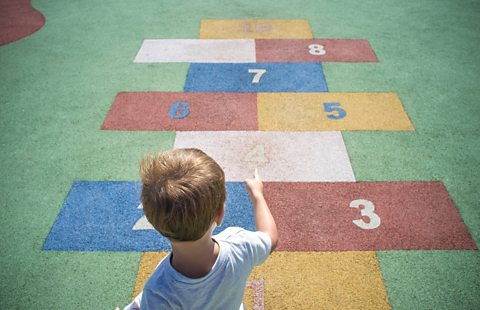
255	186
264	221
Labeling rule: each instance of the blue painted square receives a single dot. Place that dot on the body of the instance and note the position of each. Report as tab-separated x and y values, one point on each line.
99	216
235	77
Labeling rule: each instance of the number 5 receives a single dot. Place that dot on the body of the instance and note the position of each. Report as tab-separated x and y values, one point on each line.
332	107
258	74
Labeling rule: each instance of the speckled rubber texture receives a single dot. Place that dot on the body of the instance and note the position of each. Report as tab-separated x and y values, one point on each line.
59	83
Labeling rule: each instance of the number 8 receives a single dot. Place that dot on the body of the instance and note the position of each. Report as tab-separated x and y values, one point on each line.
317	49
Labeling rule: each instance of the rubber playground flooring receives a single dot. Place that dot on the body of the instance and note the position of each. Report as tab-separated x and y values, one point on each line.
376	195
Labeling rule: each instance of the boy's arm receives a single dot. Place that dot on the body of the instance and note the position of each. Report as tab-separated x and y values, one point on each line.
264	220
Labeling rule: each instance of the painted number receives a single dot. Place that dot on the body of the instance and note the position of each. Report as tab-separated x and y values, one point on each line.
258	74
259	28
334	108
256	155
142	223
367	211
316	49
179	110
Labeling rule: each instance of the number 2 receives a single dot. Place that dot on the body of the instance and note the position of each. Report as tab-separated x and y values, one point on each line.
368	211
317	49
258	74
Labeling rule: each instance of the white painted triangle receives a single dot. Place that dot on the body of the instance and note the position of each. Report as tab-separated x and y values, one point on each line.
142	223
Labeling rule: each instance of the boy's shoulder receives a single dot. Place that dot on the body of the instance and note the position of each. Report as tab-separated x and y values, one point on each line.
257	242
232	234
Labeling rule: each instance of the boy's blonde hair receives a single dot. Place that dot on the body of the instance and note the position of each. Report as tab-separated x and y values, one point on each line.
182	191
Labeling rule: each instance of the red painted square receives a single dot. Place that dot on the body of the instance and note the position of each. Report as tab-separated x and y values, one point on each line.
314	50
413	216
206	111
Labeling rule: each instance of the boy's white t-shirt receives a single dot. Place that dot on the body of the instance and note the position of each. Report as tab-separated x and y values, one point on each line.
222	288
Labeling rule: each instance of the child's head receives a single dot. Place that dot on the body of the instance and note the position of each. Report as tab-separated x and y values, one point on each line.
183	190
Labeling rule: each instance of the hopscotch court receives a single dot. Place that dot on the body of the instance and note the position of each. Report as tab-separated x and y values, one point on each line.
256	95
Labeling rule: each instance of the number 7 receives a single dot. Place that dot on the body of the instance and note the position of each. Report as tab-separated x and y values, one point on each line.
258	74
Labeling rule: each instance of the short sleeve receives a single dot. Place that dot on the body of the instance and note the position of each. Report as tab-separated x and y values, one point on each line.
256	245
260	247
135	304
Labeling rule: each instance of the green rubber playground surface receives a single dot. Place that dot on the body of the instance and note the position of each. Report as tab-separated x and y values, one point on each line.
58	84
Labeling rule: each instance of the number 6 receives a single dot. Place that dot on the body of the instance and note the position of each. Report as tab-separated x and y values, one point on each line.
182	107
368	211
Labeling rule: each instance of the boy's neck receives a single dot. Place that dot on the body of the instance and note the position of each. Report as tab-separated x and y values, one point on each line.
195	259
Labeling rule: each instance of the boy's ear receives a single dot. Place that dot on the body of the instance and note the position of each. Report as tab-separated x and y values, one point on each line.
220	214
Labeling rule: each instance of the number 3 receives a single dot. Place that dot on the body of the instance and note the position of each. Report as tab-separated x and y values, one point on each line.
368	211
317	49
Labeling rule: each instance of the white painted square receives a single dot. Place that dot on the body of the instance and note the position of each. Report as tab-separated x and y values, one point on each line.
197	50
279	156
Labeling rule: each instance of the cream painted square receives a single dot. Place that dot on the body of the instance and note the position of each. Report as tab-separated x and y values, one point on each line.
279	156
197	50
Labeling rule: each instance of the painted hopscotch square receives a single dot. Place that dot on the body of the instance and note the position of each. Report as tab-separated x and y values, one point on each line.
100	216
182	111
331	111
305	280
195	50
330	280
366	216
255	28
314	50
279	156
256	77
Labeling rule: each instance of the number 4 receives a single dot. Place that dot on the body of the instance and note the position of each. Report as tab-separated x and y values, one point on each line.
257	155
258	74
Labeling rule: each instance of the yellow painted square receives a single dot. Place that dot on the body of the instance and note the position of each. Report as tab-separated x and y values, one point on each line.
306	280
307	112
322	280
255	29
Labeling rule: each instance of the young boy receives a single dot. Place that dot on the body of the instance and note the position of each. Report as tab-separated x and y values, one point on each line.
183	197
